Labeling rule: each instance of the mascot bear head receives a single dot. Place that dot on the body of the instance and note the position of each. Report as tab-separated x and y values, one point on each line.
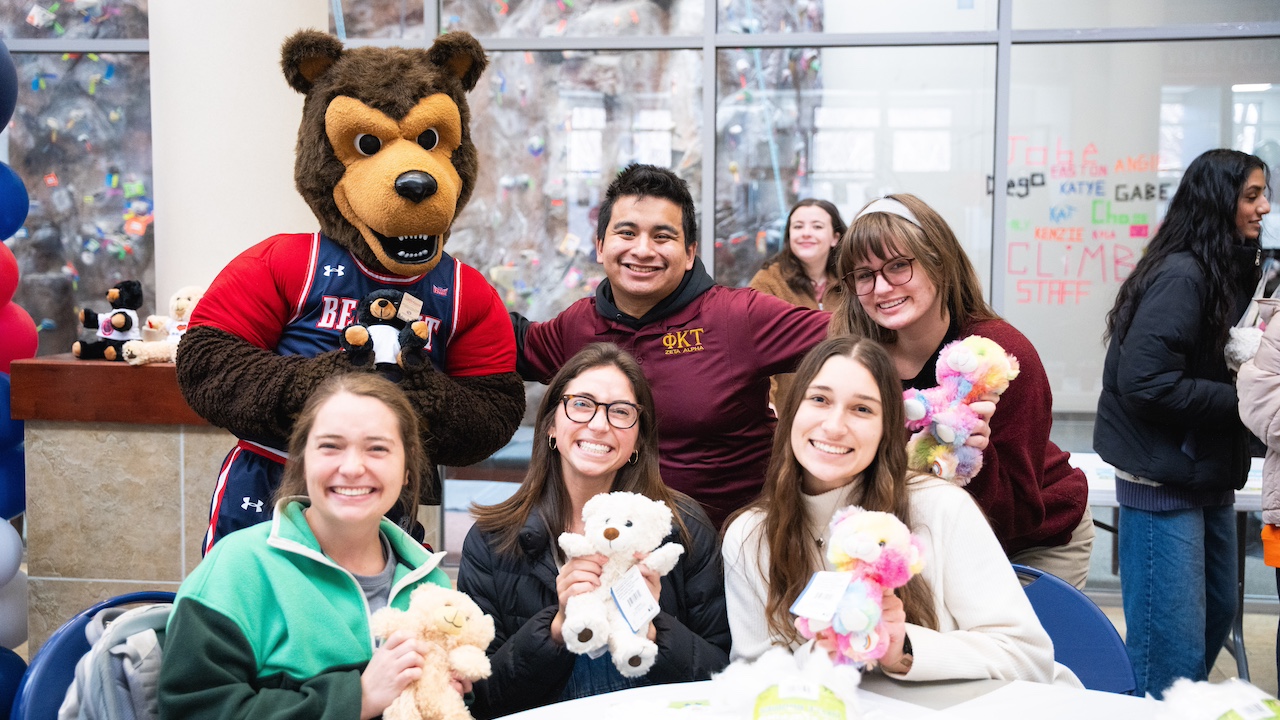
384	157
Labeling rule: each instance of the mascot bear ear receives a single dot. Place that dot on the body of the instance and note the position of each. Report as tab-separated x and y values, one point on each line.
460	55
306	56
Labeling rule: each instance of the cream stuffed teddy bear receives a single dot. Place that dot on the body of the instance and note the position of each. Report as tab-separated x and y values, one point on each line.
160	334
618	525
457	633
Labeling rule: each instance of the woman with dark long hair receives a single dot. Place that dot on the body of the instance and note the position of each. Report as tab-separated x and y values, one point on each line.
1168	421
839	443
596	432
911	287
803	272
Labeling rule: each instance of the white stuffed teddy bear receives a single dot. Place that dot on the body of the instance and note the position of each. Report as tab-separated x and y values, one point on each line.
161	333
618	525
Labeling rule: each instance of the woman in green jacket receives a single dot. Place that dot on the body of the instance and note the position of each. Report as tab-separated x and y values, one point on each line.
274	623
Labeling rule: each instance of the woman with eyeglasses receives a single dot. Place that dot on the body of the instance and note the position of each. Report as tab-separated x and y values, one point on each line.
915	292
596	432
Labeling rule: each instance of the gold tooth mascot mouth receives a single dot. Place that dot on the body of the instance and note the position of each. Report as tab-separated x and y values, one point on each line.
385	160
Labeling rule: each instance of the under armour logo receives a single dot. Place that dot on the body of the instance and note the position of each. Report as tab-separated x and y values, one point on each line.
331	270
257	506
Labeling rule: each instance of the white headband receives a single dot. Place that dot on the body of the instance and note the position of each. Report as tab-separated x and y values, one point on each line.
889	206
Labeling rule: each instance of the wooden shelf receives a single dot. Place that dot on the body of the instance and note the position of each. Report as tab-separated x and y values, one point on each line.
60	387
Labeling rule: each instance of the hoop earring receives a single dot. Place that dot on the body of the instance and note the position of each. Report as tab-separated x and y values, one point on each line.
551	441
635	457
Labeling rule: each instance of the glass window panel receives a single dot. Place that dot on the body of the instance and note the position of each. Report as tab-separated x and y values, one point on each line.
848	125
112	19
572	18
399	19
1050	14
81	141
556	128
855	16
1094	157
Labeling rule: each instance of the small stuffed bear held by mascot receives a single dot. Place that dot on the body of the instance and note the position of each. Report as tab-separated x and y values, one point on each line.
381	332
116	327
456	633
617	525
161	333
941	417
385	160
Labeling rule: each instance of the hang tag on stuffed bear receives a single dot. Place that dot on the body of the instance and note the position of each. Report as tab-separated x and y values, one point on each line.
410	308
634	601
819	599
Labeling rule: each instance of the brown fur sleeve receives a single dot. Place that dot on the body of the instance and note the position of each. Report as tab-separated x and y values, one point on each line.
254	393
467	418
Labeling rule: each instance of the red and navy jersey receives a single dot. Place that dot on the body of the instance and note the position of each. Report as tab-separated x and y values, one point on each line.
293	295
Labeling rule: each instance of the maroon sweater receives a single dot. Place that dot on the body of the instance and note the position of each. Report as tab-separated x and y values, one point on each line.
1029	491
709	365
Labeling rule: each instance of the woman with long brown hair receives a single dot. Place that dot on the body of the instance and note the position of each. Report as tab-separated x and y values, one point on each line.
839	443
596	432
910	286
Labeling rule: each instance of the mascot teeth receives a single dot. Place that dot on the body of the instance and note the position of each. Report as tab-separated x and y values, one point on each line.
411	248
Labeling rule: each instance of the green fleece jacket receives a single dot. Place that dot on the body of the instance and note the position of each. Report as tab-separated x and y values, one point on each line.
267	627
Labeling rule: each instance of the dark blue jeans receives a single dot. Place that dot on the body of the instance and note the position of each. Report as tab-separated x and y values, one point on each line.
1178	580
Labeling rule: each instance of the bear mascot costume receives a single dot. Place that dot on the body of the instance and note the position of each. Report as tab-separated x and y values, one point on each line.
385	160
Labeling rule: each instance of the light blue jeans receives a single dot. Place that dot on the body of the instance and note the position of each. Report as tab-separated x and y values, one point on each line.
1178	579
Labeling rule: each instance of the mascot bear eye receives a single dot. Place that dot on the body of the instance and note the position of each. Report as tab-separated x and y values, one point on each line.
368	144
429	139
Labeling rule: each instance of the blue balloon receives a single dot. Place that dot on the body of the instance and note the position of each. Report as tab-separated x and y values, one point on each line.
13	483
13	202
10	429
8	85
12	667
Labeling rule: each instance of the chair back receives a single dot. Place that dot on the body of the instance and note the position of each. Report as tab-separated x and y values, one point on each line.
45	683
1083	637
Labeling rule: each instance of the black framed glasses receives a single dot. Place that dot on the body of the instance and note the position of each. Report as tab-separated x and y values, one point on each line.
897	271
581	409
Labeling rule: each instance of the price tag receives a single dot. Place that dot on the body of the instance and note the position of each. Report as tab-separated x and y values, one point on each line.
820	597
410	309
634	601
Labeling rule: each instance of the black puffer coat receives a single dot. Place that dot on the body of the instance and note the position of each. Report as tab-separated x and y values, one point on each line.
1168	406
519	591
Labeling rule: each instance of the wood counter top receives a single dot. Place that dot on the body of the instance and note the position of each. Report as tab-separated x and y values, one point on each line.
60	387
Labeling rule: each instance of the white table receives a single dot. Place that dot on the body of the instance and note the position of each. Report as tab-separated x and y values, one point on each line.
1102	492
877	697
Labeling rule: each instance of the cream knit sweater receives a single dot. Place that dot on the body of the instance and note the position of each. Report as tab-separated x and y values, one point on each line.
987	628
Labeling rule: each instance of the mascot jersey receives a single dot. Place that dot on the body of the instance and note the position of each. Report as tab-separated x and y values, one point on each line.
293	295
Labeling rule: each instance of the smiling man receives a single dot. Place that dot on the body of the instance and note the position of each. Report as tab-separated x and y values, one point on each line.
707	350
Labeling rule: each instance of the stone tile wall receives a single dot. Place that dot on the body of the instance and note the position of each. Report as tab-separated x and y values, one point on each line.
113	508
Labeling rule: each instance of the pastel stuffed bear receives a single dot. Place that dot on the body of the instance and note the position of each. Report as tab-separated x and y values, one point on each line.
618	525
456	633
882	554
941	418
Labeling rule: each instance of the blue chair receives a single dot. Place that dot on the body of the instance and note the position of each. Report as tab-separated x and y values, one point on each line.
45	683
1083	637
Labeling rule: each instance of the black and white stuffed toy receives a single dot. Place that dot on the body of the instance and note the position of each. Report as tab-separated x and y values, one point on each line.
388	330
114	328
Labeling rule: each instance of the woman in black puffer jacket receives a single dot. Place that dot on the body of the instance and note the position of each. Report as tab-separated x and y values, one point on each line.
1167	418
596	433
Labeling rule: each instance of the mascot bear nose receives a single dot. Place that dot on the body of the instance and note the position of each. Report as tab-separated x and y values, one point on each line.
611	533
415	185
